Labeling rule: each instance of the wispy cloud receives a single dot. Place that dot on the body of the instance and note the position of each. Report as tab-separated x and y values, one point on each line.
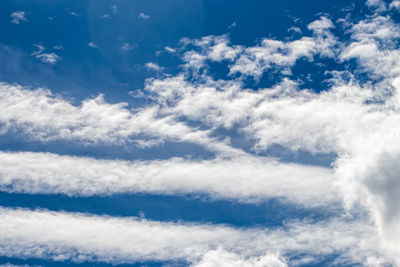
153	66
18	17
169	49
295	29
58	47
51	58
143	16
72	13
114	9
92	45
126	47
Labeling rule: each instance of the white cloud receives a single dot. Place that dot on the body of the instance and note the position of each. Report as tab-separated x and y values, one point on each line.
51	58
243	179
355	120
46	117
114	9
272	54
92	44
221	258
341	120
378	5
143	16
218	48
72	13
17	17
126	47
280	115
153	66
376	28
77	237
295	29
58	47
321	25
374	46
169	49
395	4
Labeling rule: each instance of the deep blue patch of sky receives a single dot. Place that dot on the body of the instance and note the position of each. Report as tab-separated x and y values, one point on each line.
85	71
196	208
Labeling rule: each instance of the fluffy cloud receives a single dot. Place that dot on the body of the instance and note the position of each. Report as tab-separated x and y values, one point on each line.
270	54
46	117
378	5
395	4
321	25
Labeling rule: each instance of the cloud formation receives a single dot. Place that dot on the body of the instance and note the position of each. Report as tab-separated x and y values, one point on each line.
79	237
245	179
355	119
143	16
50	58
93	121
18	17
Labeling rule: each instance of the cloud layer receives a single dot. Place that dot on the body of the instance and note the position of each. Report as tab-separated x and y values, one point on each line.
78	237
355	119
246	179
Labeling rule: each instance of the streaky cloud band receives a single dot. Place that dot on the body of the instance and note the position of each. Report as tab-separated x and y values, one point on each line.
246	179
79	237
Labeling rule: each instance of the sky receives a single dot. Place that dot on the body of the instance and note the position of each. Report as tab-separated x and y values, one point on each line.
202	133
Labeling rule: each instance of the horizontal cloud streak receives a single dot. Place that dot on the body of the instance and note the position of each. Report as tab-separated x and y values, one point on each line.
78	237
241	179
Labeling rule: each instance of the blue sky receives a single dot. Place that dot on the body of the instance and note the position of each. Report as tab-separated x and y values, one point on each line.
199	133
